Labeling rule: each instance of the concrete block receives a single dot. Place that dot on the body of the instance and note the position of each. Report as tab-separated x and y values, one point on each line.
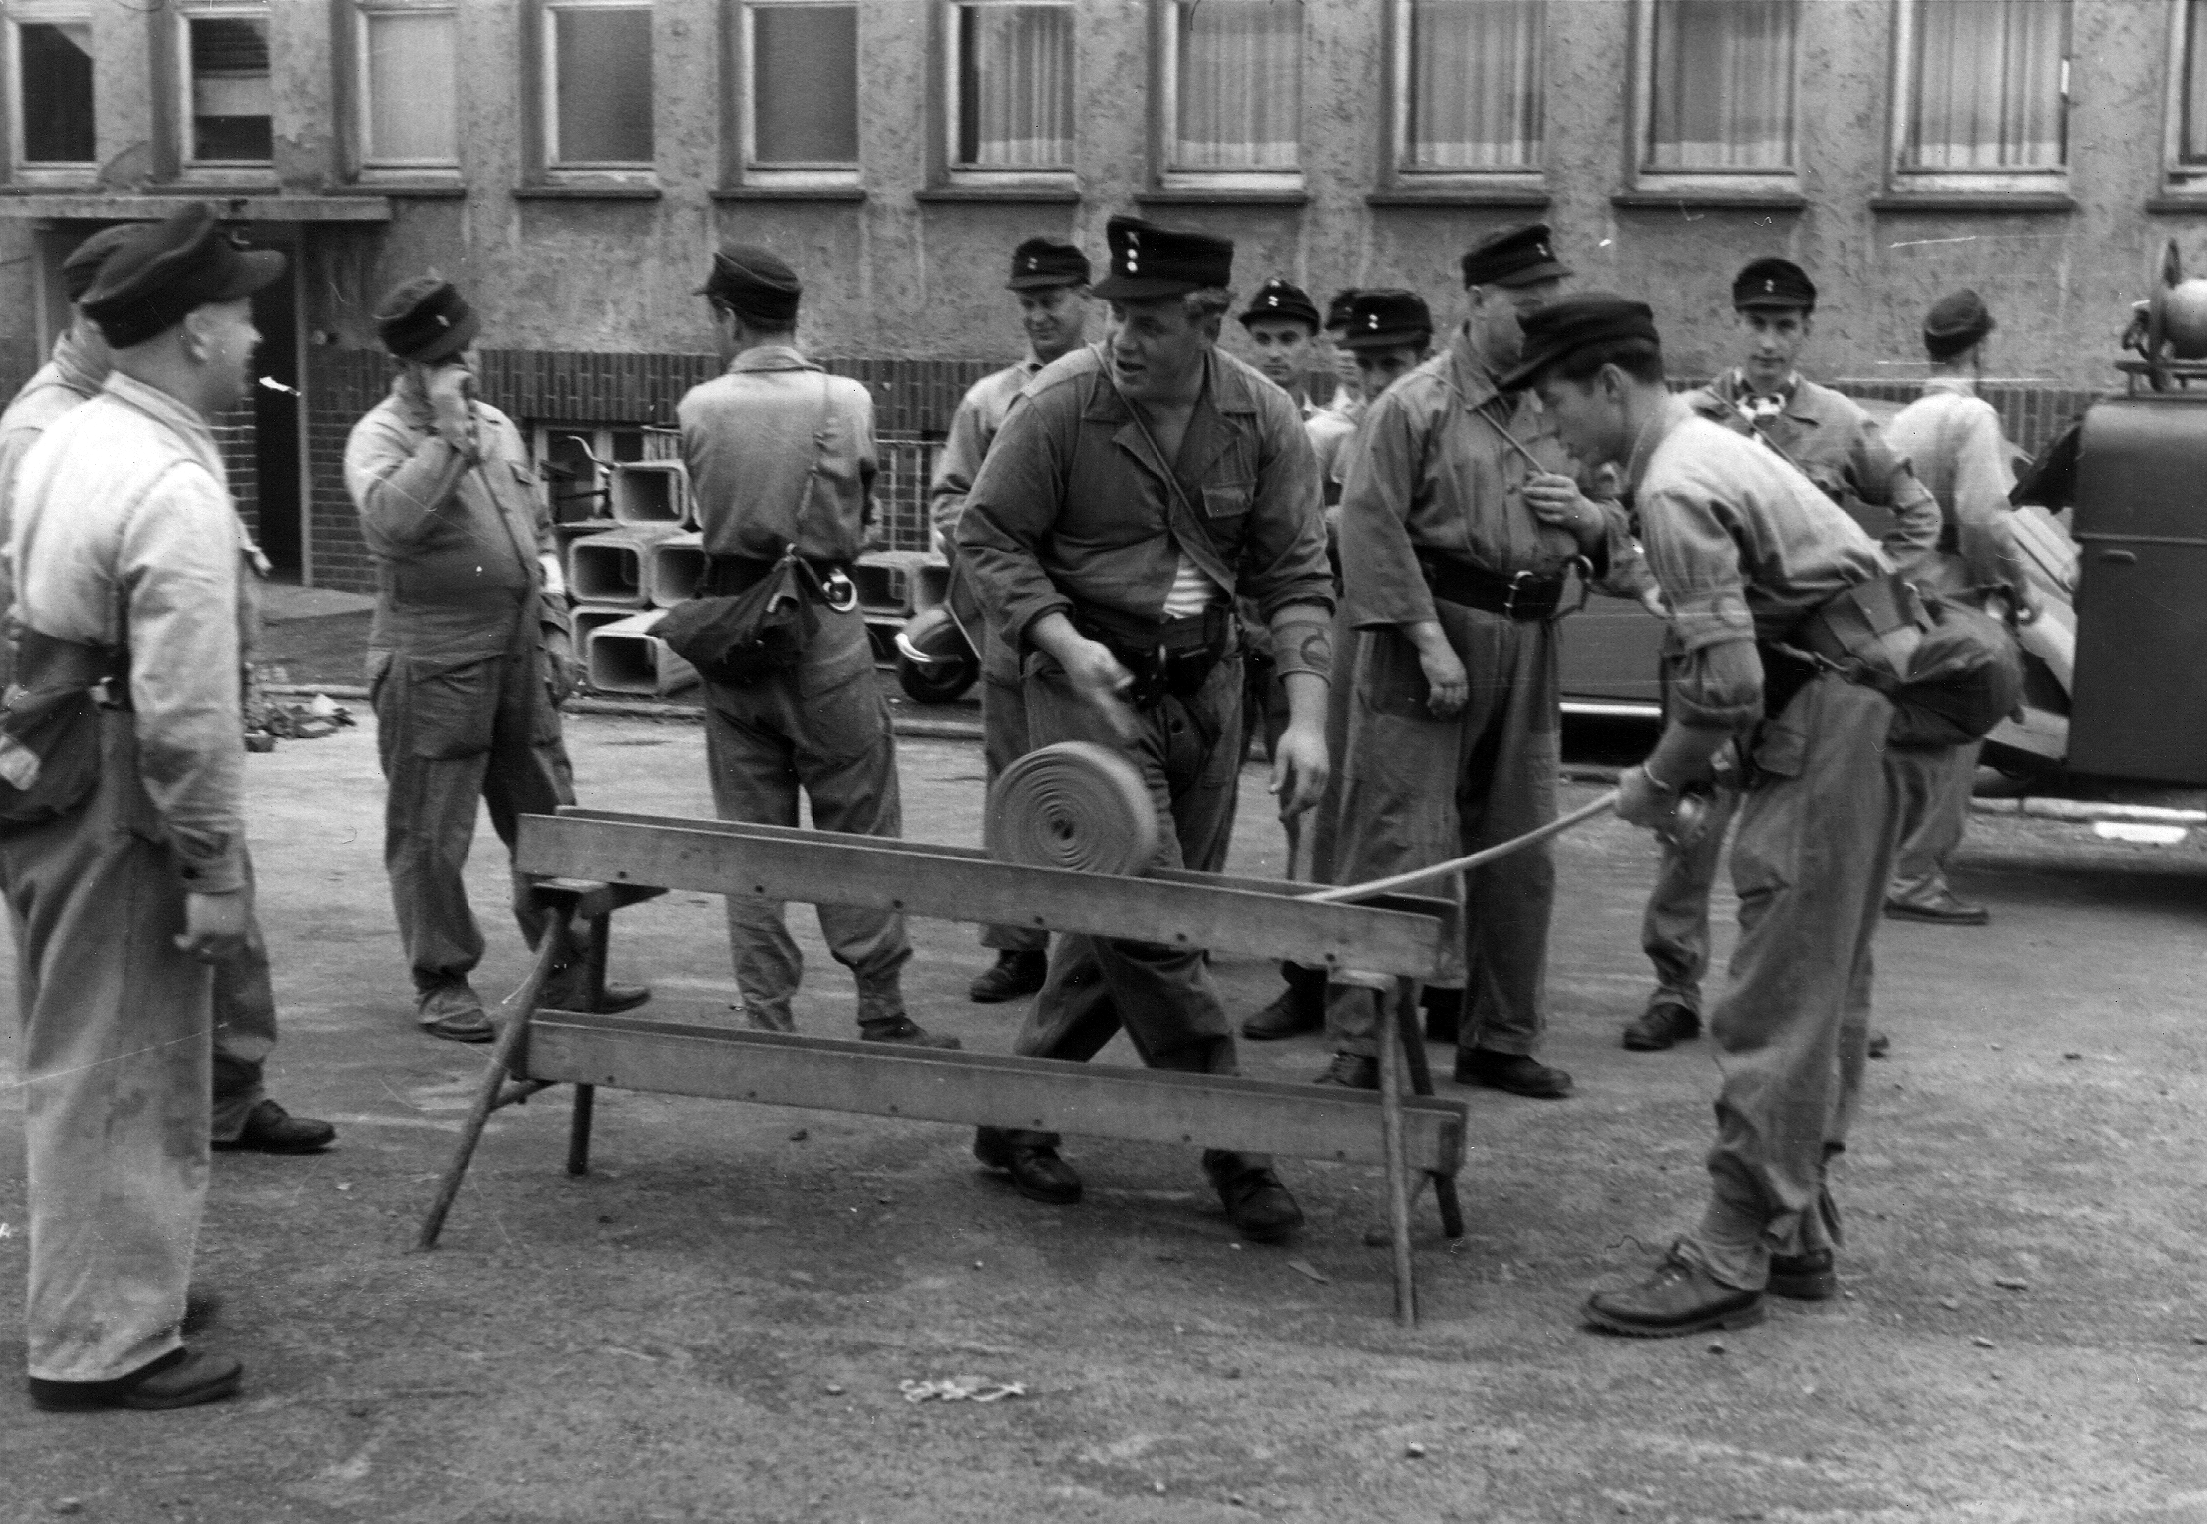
625	657
610	568
651	492
675	569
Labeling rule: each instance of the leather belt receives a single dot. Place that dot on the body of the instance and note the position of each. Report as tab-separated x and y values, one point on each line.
1167	657
727	576
1521	595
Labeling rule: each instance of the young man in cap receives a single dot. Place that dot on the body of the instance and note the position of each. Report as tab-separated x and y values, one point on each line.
1050	281
1748	552
1136	490
1455	554
127	558
469	656
244	1115
1837	446
1283	328
781	457
1953	440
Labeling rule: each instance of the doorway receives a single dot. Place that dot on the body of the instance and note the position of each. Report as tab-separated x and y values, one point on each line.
278	426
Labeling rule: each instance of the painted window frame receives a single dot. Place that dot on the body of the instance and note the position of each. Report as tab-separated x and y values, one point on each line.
192	170
1902	181
55	172
545	107
958	173
1165	129
1399	173
370	170
2180	177
741	102
1648	177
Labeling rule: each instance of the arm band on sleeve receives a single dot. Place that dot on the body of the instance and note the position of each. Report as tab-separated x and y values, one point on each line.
1302	641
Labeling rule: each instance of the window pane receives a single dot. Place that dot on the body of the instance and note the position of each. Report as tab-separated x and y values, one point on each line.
2193	149
804	84
1722	85
57	93
1240	92
1015	86
1475	84
230	89
602	68
412	89
1988	85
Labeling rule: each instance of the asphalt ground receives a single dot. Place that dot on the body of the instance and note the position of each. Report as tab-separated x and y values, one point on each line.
714	1324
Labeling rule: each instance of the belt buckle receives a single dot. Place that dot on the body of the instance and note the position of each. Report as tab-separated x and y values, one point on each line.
839	592
1509	599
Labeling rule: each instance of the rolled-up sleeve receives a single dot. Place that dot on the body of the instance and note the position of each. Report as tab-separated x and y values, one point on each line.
1716	673
399	481
1015	500
1283	553
1381	580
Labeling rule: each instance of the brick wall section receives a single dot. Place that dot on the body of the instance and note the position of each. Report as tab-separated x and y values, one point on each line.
233	433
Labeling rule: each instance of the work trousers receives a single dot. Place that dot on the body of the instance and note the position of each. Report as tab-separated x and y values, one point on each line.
822	728
245	1028
1674	930
1815	845
1003	742
450	733
115	1071
1933	787
1416	790
1189	754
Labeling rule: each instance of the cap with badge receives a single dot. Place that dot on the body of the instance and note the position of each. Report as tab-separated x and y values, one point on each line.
82	267
1566	326
755	282
161	271
1149	262
1387	319
1516	256
1956	322
1278	298
426	320
1042	262
1337	310
1770	285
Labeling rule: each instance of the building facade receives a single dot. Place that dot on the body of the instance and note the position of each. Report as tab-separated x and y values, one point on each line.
572	163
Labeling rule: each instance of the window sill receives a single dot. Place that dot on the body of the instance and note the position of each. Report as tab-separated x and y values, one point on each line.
1718	197
1460	195
418	190
1033	195
2189	200
1973	201
845	193
130	206
1222	195
586	193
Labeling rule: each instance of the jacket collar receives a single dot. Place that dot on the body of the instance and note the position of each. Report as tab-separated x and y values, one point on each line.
1471	373
1674	411
1730	387
178	418
1228	399
1959	386
74	367
771	357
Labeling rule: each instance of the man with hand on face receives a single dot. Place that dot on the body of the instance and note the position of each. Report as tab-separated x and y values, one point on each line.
1050	281
1456	549
1136	490
1749	553
127	555
1834	443
469	657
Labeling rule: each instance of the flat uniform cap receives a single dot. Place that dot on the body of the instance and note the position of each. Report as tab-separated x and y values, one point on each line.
1149	262
1337	310
1955	322
1772	285
1387	320
1282	299
161	271
82	267
754	281
1043	262
1518	256
426	320
1563	328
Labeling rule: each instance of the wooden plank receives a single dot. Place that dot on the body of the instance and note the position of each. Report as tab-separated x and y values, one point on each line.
830	868
987	1089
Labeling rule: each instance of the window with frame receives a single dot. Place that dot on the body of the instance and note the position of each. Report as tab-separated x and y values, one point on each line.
229	91
1987	88
1720	87
597	97
1011	85
2188	126
800	71
1234	71
407	84
1468	84
50	65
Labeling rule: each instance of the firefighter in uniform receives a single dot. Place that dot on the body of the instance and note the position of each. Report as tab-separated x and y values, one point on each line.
1138	488
1747	552
1833	442
1050	281
244	1116
1455	555
781	455
468	657
126	555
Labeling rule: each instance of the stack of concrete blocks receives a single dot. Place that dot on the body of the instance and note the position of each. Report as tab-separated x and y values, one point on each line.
893	585
625	576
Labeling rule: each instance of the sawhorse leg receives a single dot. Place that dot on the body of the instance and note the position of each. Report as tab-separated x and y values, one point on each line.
586	1096
1407	1028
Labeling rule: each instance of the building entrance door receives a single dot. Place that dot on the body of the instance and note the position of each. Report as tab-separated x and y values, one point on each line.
278	427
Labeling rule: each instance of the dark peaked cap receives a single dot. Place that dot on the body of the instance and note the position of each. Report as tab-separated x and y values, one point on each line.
1563	328
82	267
1148	262
426	320
1386	320
1773	283
1337	310
163	270
1955	322
1043	262
755	282
1516	256
1278	298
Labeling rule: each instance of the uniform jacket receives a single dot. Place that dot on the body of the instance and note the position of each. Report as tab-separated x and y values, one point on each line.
123	523
60	384
1839	448
754	436
1073	505
458	547
973	429
1745	548
1430	472
1953	440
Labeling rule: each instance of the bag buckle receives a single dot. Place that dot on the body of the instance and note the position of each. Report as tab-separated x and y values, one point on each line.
839	592
1509	599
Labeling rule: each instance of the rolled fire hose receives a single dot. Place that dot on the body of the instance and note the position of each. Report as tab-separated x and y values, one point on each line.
1072	804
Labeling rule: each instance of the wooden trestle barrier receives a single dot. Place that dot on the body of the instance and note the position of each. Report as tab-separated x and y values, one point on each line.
592	863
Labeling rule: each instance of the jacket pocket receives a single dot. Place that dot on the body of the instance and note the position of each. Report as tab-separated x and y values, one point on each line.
446	709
